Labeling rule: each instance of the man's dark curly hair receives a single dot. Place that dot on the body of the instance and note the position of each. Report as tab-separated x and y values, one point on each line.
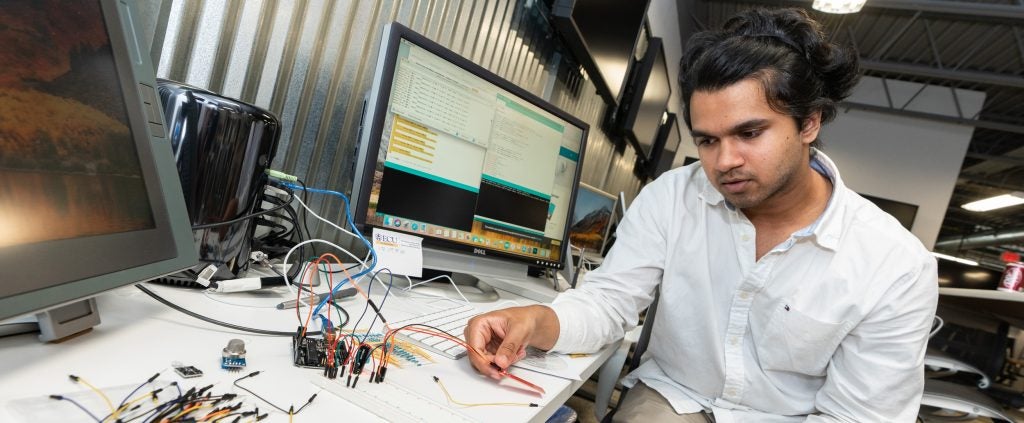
801	70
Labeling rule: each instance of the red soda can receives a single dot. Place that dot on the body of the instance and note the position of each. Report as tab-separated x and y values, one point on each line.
1013	278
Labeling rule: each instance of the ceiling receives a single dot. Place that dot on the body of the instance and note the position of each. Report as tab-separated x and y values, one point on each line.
970	44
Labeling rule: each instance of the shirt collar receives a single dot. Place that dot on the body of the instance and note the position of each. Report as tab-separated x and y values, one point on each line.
827	228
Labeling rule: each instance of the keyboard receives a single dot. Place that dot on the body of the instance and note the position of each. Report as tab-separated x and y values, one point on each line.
452	320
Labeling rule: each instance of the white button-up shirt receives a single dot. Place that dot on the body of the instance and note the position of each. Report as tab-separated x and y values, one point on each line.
830	325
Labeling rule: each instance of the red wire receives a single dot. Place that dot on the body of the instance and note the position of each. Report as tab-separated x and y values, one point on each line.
314	265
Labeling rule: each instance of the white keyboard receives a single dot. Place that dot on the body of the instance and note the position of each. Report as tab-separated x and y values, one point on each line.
452	320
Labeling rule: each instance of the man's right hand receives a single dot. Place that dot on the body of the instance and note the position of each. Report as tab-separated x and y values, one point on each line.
501	336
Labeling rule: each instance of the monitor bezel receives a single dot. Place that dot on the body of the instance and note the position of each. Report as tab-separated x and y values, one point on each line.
565	23
86	267
655	166
639	86
376	110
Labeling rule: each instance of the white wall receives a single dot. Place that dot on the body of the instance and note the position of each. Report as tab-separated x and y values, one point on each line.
901	158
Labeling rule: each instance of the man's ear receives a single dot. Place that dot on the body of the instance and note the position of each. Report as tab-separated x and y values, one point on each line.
810	127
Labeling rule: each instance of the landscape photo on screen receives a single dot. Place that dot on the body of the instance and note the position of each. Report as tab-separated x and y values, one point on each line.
68	163
591	217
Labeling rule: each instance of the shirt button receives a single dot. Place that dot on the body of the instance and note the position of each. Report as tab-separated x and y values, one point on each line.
745	237
744	295
734	340
730	392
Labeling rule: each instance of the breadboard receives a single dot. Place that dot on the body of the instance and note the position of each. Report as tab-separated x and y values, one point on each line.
391	402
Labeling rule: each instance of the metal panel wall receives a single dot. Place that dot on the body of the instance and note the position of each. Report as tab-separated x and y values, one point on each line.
310	62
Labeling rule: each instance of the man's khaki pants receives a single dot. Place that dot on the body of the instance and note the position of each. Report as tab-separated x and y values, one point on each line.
646	405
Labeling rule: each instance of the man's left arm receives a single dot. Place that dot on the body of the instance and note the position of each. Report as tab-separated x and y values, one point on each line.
877	373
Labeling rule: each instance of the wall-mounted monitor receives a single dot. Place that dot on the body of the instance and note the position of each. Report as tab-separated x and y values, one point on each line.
89	192
603	36
484	171
665	147
903	212
646	100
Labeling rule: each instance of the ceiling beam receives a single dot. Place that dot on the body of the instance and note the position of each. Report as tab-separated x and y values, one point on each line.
981	239
978	77
1001	12
998	126
977	10
1019	161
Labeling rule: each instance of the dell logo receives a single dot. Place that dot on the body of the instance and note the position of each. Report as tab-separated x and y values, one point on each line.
480	251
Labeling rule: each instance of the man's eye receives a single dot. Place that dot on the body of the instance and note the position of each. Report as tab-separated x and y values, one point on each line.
750	134
704	141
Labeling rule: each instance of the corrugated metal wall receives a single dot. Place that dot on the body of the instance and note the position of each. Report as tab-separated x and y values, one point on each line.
310	62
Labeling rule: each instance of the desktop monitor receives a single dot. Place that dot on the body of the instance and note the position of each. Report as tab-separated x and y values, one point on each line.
903	212
592	219
603	36
643	108
484	171
90	197
665	147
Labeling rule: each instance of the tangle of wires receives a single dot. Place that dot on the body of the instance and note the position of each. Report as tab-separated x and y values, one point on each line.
155	405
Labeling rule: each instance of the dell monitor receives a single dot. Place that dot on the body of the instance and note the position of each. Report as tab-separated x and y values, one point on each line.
591	220
482	170
90	198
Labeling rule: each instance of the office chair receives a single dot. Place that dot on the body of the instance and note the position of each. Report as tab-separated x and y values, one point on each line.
944	400
608	375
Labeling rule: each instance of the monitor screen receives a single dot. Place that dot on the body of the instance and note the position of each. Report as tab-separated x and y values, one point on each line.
465	159
591	219
603	36
89	195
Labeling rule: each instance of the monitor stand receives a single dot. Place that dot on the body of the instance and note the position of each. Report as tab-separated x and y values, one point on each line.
56	323
474	289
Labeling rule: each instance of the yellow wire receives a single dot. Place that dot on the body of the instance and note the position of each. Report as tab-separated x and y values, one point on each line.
482	404
113	416
98	392
290	414
188	410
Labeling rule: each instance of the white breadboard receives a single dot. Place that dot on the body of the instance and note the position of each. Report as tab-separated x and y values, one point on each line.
391	402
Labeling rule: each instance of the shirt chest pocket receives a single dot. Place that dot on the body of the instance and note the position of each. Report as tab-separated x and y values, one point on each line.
795	342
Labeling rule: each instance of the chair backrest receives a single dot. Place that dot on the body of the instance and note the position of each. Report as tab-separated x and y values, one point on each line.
645	333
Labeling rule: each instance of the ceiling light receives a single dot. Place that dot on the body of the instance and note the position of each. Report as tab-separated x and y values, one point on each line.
838	6
956	259
997	202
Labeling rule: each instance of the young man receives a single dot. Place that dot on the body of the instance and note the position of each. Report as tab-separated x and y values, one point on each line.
785	296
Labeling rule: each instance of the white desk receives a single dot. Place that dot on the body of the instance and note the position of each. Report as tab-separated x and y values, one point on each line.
139	337
1008	306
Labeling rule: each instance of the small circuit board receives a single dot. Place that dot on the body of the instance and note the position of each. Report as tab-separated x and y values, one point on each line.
188	372
233	356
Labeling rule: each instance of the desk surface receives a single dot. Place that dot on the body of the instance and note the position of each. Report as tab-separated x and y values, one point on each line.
1001	304
139	337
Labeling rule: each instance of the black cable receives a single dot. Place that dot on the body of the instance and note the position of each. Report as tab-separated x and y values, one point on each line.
289	411
214	321
302	213
391	282
369	302
291	196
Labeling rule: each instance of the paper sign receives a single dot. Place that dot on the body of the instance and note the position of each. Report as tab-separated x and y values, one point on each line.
400	253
